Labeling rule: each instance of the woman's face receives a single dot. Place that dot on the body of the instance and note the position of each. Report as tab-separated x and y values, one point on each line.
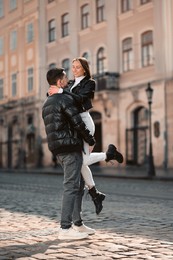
77	69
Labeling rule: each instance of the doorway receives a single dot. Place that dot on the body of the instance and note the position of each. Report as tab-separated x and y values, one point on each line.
136	138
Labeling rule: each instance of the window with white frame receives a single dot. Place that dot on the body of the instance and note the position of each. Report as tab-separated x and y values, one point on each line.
147	48
101	61
51	29
1	89
65	25
127	53
84	16
30	32
100	11
13	40
1	8
126	5
12	4
66	66
30	79
14	84
1	46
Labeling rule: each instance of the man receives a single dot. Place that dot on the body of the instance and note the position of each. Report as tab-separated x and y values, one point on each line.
65	131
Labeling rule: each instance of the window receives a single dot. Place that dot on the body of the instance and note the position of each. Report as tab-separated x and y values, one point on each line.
125	5
1	89
52	65
13	40
30	79
1	8
100	61
127	54
144	1
14	84
65	25
147	48
1	46
100	11
30	32
51	28
13	4
85	55
66	66
84	16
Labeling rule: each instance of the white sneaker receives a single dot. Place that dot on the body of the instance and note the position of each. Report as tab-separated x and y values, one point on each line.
71	233
85	229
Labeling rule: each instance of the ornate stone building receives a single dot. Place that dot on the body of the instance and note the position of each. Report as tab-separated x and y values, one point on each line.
128	44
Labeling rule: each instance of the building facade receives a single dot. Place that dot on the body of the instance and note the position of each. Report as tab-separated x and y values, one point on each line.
128	44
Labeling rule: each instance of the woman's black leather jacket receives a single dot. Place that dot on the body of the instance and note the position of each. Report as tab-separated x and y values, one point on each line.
83	93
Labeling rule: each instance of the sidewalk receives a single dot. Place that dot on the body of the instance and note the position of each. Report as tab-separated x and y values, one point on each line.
131	172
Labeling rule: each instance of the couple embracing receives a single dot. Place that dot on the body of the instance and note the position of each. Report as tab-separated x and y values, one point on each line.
70	134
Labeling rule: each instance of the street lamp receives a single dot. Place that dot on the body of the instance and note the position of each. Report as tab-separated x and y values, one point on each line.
151	168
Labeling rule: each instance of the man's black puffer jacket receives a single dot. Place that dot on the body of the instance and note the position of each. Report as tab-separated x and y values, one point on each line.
64	126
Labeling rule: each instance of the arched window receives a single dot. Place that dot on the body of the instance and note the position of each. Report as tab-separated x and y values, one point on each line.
127	54
147	48
52	65
66	66
100	61
86	56
143	2
136	137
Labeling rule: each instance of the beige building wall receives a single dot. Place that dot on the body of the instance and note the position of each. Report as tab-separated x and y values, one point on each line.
17	109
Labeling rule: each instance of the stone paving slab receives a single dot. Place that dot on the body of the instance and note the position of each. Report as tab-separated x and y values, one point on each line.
24	236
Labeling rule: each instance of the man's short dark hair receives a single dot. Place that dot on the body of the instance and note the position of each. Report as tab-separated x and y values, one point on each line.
54	74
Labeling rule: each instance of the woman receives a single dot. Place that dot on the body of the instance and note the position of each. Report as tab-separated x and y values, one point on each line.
82	89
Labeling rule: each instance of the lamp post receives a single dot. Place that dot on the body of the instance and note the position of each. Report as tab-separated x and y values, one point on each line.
151	168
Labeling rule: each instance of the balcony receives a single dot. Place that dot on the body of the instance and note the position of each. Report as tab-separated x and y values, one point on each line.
107	81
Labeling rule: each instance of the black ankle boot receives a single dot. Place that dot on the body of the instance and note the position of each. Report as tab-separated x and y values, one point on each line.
113	154
97	198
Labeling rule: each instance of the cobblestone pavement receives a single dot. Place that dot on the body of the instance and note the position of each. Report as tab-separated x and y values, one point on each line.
136	222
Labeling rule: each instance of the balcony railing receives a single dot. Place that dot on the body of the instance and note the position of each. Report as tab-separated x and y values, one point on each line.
107	81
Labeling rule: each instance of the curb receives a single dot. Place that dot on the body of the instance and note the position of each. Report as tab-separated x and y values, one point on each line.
99	172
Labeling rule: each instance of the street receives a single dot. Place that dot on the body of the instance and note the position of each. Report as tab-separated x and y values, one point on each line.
135	223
